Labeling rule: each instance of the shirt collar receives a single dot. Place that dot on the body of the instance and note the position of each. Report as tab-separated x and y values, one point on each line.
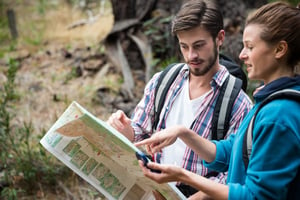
220	77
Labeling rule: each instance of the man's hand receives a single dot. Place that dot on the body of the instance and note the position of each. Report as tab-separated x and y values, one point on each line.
122	123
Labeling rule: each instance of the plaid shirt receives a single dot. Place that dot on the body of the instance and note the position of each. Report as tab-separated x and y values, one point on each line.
143	116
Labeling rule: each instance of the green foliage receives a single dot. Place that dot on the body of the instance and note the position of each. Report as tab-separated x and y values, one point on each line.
23	162
4	33
9	193
101	49
4	30
71	75
42	6
157	28
167	62
9	93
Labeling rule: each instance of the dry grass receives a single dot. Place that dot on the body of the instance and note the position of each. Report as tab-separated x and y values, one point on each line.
39	23
41	78
90	33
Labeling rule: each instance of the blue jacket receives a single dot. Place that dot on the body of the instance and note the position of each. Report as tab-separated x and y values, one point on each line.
275	158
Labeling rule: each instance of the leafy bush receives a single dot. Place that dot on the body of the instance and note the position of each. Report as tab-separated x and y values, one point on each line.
24	164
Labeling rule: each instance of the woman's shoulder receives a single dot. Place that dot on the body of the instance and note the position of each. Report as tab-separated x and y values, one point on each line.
280	114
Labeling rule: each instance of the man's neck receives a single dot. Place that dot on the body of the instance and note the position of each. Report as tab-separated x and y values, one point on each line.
199	85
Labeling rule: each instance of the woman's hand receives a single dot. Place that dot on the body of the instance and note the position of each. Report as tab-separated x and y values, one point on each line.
161	139
208	189
168	173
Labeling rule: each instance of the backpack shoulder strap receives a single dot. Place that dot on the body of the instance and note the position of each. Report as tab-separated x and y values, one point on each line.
165	80
223	107
247	140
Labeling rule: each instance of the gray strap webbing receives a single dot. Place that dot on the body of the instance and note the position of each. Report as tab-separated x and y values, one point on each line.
249	137
164	83
224	107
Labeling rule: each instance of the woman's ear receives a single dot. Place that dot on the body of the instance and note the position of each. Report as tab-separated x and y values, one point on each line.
281	49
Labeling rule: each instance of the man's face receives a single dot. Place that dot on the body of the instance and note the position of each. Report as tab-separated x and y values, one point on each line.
199	50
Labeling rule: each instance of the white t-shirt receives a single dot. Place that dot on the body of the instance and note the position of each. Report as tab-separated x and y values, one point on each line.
183	112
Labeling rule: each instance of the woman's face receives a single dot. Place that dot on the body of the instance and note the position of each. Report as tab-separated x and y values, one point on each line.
258	56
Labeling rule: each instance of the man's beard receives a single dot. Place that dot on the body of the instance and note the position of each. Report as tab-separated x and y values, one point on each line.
211	61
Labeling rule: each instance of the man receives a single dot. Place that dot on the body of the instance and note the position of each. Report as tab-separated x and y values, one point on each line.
191	98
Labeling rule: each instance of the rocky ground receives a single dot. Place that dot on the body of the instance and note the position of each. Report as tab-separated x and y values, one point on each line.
50	78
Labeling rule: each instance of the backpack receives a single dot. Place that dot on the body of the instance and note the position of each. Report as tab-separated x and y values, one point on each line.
247	140
229	91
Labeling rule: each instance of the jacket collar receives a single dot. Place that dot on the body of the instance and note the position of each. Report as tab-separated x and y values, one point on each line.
279	84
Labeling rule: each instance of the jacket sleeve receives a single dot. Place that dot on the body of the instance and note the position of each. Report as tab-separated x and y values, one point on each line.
275	156
223	153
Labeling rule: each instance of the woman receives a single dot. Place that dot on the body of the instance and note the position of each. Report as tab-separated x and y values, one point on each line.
271	53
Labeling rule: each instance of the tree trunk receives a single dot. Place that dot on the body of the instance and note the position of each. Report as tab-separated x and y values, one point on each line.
128	35
12	23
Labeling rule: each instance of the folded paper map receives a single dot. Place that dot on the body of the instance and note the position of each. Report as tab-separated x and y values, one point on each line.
102	156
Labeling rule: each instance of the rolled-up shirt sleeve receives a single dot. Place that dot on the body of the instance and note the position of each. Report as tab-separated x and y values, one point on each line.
142	117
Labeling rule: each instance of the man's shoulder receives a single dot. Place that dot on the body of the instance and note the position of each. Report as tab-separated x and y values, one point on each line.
243	98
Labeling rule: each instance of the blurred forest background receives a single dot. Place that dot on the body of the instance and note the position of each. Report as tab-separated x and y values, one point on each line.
99	53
